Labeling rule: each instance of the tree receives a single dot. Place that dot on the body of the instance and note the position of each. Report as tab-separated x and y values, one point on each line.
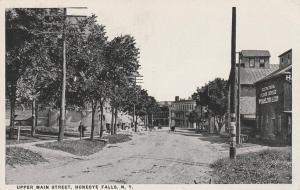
214	96
25	54
32	82
88	64
193	117
122	59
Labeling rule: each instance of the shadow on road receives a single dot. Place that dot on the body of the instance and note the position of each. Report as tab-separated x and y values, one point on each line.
179	161
187	132
212	138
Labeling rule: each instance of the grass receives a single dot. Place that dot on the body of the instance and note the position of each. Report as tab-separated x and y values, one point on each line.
23	139
264	167
77	147
21	156
85	147
117	138
266	142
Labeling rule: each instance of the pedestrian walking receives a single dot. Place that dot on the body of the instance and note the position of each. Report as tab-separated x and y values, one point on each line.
81	129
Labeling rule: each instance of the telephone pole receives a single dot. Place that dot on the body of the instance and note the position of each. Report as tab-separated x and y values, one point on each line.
136	79
232	148
238	122
62	118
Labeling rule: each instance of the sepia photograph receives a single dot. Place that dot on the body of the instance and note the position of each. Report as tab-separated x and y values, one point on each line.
117	93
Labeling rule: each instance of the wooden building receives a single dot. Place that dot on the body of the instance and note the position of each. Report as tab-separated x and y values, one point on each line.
254	66
274	103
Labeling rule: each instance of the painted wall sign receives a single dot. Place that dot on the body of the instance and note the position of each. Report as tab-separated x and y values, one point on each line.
268	95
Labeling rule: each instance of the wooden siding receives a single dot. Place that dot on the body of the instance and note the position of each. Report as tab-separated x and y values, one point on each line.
271	120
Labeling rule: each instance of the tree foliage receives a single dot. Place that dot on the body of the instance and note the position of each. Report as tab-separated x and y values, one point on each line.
214	96
29	66
98	70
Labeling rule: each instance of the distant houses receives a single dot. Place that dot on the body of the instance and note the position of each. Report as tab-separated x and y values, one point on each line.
48	117
179	111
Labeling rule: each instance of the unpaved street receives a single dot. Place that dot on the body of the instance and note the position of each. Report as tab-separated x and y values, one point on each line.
155	157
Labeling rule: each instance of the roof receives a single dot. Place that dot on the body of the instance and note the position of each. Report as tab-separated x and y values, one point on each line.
252	75
165	103
285	52
255	53
22	117
184	101
277	72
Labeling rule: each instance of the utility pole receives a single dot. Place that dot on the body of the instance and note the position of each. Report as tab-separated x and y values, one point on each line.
170	116
134	122
232	148
64	16
208	112
152	120
238	127
62	119
136	79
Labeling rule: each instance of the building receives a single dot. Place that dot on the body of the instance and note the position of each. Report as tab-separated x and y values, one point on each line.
180	111
161	117
254	65
255	59
285	58
274	103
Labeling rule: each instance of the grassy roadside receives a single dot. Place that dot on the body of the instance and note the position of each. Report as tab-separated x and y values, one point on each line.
77	147
117	138
21	156
264	167
85	147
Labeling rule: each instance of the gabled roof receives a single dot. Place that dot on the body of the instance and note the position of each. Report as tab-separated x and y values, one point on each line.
252	75
255	53
276	73
288	51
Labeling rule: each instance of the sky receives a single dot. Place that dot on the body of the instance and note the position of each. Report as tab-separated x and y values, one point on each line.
185	44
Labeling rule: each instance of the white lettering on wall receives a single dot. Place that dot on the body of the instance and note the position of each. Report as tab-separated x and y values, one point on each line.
268	95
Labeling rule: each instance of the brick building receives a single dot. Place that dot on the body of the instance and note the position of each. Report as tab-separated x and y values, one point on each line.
274	103
161	117
180	110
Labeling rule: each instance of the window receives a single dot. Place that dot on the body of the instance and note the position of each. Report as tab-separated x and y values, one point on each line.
251	63
279	124
261	60
261	64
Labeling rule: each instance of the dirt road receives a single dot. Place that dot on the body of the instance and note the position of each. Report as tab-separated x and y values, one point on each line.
157	157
